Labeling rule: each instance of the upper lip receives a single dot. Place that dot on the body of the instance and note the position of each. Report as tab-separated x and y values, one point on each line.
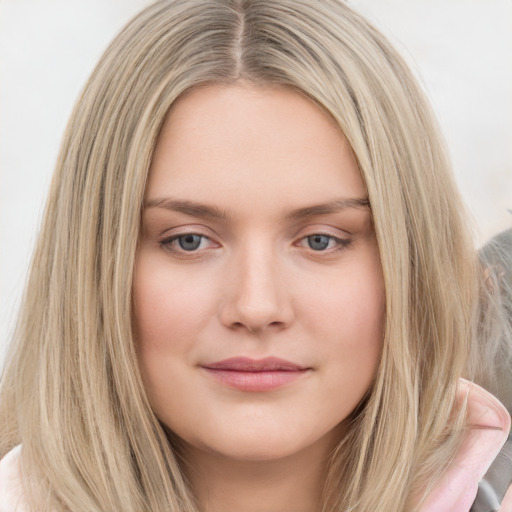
246	364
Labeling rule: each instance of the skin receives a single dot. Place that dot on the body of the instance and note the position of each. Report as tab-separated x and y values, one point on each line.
256	286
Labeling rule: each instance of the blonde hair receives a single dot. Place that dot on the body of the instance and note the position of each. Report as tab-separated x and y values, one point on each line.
71	391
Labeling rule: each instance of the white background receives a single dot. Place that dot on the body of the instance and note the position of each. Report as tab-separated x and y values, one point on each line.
460	49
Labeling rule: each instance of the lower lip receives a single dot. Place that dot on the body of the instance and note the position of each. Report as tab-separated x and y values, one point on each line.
256	381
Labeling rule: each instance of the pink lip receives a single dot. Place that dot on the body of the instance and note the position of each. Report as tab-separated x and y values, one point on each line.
248	374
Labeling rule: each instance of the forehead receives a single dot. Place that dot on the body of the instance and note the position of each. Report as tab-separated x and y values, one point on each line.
243	141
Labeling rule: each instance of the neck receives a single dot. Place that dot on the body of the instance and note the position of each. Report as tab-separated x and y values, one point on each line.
222	484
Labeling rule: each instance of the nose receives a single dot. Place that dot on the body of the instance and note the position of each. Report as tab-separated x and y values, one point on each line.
256	295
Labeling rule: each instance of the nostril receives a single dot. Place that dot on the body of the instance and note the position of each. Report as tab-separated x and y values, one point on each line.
236	326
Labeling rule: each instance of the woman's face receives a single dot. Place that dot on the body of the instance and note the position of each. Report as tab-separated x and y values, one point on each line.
258	291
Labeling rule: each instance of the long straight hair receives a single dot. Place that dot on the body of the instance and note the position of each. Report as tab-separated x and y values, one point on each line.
71	391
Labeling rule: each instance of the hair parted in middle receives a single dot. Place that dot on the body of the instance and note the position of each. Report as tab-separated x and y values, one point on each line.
73	385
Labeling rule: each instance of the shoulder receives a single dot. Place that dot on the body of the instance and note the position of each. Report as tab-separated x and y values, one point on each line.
11	492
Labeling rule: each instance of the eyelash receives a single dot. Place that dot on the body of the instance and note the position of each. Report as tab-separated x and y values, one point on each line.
168	244
341	243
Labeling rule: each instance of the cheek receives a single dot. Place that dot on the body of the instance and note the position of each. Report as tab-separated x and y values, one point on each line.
164	317
348	317
352	298
170	311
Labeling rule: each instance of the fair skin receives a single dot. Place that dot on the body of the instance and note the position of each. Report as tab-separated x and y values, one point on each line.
256	242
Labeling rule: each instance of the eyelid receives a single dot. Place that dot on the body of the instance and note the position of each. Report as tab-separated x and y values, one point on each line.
325	228
187	229
172	238
342	243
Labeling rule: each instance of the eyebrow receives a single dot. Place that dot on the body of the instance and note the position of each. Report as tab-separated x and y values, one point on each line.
328	208
188	208
200	210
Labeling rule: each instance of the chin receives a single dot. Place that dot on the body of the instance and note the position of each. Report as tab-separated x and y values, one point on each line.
264	445
252	452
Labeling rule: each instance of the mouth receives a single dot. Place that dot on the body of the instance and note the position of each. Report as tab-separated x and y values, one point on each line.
255	375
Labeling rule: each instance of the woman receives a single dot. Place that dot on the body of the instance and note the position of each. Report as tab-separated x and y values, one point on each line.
254	288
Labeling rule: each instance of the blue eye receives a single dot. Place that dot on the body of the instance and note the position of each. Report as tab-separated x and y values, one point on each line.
318	242
186	243
189	242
